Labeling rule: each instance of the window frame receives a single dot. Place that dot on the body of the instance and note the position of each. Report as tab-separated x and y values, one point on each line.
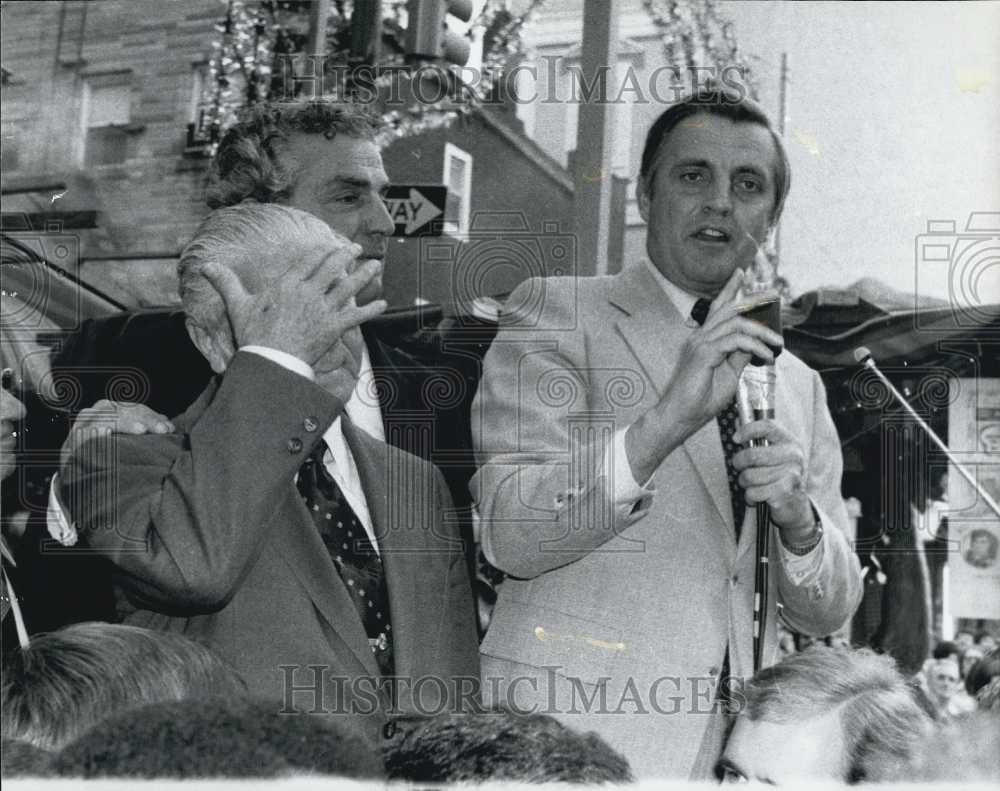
451	151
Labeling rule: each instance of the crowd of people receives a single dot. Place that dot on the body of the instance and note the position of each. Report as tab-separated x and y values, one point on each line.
291	590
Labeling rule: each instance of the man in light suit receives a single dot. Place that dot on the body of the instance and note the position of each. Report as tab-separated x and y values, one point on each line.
311	556
605	491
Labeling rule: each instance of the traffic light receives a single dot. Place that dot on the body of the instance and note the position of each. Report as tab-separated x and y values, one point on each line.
427	34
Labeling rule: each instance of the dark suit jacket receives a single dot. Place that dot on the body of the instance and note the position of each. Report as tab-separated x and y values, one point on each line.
208	536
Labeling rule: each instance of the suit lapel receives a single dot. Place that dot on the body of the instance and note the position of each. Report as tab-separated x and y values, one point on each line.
651	327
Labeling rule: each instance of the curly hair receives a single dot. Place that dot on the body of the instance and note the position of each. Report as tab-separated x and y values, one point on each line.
248	162
882	722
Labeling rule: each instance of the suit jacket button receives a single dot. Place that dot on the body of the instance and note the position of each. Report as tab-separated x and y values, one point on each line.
310	424
389	729
294	445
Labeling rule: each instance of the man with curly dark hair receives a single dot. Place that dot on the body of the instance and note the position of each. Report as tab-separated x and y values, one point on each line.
317	156
321	156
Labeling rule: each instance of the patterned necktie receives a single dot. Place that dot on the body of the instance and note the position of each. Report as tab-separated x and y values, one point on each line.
352	553
728	420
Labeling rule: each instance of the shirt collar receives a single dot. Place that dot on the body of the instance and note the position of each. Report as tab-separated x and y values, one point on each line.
678	297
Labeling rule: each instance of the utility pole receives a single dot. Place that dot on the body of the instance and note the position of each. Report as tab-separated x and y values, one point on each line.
319	12
366	32
782	130
592	161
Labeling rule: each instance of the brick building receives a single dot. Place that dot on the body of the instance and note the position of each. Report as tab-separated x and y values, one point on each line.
96	102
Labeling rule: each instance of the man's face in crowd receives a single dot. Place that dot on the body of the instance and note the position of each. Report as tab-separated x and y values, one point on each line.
780	752
712	184
963	640
11	413
943	678
341	181
987	642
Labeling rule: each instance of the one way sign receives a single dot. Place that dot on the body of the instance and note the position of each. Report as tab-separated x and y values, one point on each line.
417	210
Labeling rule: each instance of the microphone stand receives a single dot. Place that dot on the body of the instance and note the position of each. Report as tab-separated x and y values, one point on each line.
863	356
755	395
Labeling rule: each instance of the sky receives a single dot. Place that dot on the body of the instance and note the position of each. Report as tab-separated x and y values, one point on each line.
894	113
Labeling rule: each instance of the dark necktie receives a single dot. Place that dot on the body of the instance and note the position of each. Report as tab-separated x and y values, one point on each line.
728	420
352	553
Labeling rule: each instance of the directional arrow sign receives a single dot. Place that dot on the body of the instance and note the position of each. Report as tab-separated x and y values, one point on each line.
416	209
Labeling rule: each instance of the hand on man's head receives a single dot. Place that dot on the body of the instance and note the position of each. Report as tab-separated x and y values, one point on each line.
307	310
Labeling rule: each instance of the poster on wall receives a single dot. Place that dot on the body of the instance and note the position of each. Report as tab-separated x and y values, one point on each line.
974	530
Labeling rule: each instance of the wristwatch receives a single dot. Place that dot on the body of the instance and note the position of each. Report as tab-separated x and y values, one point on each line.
807	546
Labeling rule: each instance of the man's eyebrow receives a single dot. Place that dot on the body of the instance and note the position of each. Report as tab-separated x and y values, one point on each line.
347	181
700	163
751	169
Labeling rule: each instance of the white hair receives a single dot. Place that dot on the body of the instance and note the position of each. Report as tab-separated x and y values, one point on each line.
240	237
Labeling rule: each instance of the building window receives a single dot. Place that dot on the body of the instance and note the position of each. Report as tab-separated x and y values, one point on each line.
199	130
458	180
106	113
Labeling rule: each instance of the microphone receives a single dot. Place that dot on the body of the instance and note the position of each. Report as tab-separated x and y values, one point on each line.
755	392
863	356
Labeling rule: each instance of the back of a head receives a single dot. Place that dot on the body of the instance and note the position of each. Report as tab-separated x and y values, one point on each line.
982	672
946	648
881	719
21	759
66	681
499	745
963	750
219	738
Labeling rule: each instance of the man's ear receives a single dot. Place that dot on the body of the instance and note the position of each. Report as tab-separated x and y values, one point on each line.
642	195
212	347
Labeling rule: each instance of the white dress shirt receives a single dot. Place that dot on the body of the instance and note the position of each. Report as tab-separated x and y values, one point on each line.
624	490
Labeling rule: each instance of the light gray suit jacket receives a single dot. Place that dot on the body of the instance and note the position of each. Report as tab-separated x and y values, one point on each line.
616	616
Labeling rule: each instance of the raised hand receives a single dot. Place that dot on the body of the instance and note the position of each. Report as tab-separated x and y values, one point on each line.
703	383
305	311
712	359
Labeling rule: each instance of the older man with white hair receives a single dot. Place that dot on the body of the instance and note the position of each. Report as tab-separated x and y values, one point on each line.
312	556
